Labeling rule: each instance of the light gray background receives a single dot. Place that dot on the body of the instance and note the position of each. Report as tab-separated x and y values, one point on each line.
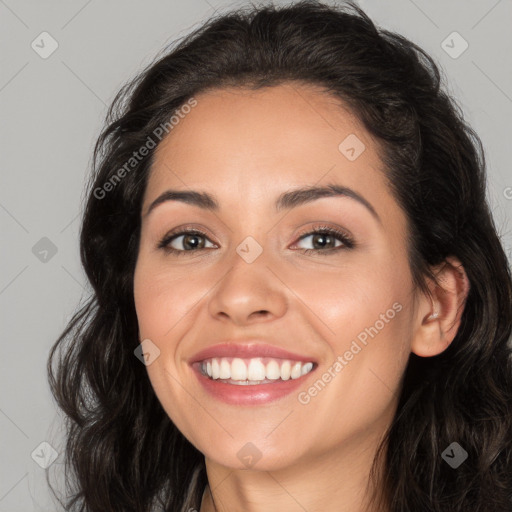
51	113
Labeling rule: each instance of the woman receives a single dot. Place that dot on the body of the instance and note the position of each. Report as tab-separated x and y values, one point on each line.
300	298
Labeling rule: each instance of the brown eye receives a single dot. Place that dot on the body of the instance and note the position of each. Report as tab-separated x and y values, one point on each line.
324	240
191	241
184	241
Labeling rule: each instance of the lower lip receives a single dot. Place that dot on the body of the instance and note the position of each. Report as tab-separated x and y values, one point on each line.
256	394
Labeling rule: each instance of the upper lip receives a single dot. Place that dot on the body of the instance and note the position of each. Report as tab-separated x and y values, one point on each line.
247	351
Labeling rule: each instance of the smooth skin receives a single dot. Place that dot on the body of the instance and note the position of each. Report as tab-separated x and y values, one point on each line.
246	148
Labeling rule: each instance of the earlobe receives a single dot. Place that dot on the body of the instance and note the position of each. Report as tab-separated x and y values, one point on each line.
438	318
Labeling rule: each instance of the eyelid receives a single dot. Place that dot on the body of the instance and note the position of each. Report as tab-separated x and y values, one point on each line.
181	231
324	227
189	228
346	239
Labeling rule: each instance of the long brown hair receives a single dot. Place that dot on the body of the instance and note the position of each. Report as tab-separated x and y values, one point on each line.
123	452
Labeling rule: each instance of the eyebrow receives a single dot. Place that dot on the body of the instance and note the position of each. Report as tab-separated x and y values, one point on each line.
285	201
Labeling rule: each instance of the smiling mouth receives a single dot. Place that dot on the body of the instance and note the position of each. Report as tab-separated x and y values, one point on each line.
253	371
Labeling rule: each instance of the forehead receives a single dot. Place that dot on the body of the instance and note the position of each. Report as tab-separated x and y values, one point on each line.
283	135
280	128
302	115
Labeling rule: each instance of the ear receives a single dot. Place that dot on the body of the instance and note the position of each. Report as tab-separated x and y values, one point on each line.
438	318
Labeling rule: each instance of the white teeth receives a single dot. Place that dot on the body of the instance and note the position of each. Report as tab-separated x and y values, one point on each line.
306	368
215	369
286	369
225	369
254	371
296	371
273	372
238	370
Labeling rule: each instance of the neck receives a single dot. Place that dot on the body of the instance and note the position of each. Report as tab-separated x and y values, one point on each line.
337	481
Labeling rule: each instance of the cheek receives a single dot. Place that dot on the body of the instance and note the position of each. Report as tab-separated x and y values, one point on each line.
369	344
353	296
162	302
365	316
161	298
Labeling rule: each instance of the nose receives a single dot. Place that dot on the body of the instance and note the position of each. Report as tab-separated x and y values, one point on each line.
248	293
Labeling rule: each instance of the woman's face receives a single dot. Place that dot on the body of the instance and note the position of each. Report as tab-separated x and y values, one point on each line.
246	281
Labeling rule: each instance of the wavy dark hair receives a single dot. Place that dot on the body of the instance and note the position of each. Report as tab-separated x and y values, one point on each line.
123	453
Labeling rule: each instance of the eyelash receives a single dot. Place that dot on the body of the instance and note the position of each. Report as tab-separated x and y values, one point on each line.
348	242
